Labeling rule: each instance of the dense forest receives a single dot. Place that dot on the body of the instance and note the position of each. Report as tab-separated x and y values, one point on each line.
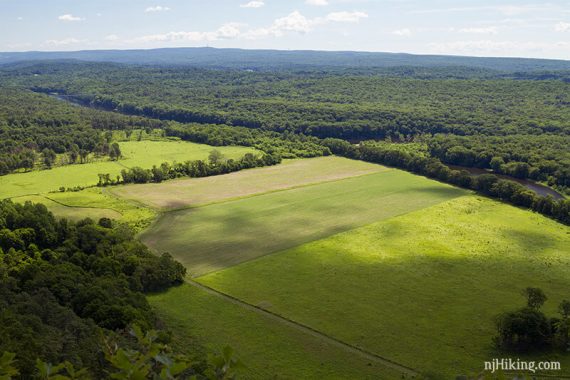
521	125
64	284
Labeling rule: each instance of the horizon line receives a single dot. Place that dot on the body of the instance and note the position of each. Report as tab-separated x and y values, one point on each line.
279	50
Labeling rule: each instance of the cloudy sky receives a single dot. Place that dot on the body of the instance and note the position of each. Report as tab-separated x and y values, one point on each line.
482	28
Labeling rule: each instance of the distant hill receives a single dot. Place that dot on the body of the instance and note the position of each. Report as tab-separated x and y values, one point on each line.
279	59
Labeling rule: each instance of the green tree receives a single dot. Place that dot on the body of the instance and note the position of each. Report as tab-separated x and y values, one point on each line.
215	157
535	297
115	151
49	157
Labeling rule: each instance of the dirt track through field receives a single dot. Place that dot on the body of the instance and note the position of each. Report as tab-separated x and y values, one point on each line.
309	330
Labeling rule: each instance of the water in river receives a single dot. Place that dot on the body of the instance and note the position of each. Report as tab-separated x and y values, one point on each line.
536	187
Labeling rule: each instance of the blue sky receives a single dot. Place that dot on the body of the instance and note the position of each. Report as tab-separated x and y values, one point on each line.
481	28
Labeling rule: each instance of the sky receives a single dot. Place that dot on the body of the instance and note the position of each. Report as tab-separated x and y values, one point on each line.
479	28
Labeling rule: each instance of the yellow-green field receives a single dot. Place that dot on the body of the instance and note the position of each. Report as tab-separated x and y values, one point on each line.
421	289
136	153
215	236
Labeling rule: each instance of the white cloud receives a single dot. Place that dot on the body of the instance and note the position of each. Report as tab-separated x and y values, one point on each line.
295	22
318	3
157	8
253	4
111	37
64	42
69	17
226	31
485	30
402	32
20	18
346	16
562	27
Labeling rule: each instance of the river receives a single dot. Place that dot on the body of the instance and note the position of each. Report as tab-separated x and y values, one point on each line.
531	185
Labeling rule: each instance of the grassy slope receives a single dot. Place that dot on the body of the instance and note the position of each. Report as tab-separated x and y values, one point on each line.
291	173
137	153
422	288
71	212
216	236
269	349
136	216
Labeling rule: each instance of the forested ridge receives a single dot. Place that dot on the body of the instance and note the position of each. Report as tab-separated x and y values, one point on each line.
273	60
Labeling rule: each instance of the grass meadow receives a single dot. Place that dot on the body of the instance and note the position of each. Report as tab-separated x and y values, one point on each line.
268	348
189	192
66	211
216	236
421	289
136	153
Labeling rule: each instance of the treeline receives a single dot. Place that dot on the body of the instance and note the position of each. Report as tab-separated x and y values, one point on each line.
216	165
63	284
286	145
35	128
432	167
541	158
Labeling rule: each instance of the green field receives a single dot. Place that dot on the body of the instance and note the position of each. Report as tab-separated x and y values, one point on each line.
65	210
199	191
136	153
212	237
421	289
268	348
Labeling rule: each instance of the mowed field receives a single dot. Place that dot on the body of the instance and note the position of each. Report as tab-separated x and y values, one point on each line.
421	289
136	153
219	235
199	191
